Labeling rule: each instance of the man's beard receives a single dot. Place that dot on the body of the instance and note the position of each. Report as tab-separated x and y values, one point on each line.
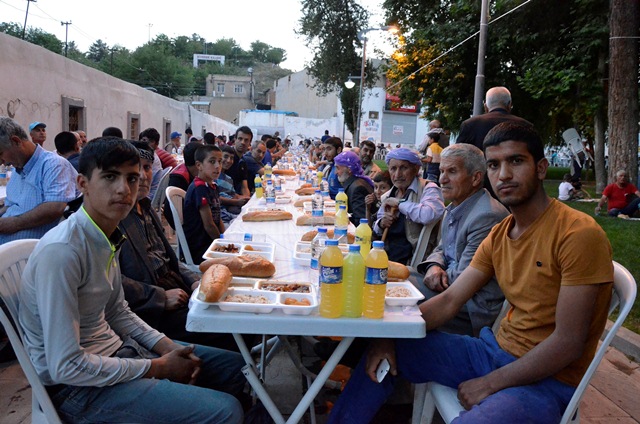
343	178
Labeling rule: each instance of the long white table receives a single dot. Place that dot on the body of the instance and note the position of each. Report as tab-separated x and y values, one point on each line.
397	322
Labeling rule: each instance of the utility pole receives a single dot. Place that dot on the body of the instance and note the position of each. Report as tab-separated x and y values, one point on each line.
150	25
112	50
25	17
66	37
478	93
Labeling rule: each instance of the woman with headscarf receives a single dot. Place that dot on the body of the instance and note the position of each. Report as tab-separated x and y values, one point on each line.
356	185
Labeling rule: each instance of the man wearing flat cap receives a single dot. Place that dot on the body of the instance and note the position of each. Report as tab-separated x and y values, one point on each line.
356	185
410	204
38	133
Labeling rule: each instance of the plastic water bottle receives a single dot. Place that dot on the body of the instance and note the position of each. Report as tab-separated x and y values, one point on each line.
353	282
375	288
314	180
270	195
340	234
341	199
363	237
267	170
258	185
277	183
325	195
331	290
3	175
317	247
317	209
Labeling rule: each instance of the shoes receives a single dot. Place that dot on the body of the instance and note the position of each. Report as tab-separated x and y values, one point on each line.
623	216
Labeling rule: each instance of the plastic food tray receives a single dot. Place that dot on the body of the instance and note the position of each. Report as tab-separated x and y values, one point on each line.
329	205
276	301
261	248
404	301
302	252
264	208
280	199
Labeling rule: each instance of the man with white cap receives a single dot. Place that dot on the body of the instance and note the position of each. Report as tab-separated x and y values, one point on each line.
356	185
410	204
37	132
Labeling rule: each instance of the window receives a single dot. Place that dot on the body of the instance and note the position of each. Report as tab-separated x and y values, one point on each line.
238	88
74	114
220	87
133	125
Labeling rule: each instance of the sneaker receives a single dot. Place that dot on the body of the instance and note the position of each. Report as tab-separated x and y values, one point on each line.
623	216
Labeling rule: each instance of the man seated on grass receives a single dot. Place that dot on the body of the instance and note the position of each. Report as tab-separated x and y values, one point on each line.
100	361
553	264
622	197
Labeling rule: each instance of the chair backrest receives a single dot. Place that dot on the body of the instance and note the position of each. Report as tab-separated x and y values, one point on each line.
13	259
160	194
423	243
624	294
176	201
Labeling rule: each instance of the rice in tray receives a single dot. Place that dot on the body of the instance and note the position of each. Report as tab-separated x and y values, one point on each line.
245	298
398	292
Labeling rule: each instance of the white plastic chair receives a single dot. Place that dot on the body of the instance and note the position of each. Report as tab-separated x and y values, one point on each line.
574	141
13	258
433	395
420	252
176	201
160	194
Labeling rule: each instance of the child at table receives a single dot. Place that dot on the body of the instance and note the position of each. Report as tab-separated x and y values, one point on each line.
202	217
381	184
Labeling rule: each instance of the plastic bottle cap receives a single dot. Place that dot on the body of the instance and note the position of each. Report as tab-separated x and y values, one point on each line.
322	230
354	248
318	192
340	189
364	221
343	207
378	244
332	242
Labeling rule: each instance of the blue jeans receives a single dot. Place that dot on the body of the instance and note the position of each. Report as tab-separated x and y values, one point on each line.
148	400
450	359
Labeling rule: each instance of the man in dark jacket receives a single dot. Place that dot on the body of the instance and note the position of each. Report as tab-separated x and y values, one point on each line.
356	185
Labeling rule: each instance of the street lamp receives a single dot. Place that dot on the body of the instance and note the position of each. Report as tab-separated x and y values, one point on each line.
362	36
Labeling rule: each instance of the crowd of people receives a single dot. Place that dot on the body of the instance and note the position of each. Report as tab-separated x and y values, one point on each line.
105	298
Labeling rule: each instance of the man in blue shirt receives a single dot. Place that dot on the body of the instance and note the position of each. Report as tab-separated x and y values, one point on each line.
39	189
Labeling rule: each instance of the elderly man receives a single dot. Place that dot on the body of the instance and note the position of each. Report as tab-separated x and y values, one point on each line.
83	138
467	221
175	145
253	160
356	185
408	206
622	197
367	150
38	132
38	193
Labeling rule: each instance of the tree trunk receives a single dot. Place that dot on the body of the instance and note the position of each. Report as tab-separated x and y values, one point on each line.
623	88
599	128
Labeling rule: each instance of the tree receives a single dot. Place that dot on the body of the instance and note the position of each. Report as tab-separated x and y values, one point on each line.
98	51
259	50
623	92
331	28
276	55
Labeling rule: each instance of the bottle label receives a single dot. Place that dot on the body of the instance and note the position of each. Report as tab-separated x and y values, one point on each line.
317	213
376	275
330	274
314	263
248	237
258	185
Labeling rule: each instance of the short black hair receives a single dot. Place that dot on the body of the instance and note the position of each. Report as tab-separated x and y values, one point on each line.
334	141
271	143
209	138
151	134
369	144
142	145
107	153
227	149
245	130
65	142
204	150
509	131
112	132
189	153
383	176
265	137
188	131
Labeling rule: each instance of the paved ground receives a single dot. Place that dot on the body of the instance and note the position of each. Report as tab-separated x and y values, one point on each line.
611	398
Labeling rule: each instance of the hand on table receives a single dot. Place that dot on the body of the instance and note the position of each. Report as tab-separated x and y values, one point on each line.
381	349
174	299
436	279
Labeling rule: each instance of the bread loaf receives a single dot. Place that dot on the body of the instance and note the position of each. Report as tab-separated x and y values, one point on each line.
215	282
309	235
299	203
284	172
267	215
397	272
329	218
243	266
305	191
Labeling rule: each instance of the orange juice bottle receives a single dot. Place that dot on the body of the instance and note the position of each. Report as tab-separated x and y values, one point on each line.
363	237
353	282
341	199
331	291
375	288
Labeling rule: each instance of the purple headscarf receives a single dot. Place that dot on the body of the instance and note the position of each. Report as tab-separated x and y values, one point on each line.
403	154
352	161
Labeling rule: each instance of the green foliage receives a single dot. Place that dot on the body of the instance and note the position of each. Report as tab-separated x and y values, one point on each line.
331	29
551	61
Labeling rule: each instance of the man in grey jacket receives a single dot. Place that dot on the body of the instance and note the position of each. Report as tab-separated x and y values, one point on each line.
467	221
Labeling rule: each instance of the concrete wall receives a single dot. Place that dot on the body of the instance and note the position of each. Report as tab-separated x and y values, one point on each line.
294	93
36	84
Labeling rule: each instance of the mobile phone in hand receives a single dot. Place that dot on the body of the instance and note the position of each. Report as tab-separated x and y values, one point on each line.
383	370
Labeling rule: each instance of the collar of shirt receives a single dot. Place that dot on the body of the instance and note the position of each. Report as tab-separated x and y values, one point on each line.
415	184
24	171
199	181
455	212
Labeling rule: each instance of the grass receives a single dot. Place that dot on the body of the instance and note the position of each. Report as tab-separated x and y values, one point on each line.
622	234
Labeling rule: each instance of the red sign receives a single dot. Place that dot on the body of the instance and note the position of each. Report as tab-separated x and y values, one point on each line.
394	104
